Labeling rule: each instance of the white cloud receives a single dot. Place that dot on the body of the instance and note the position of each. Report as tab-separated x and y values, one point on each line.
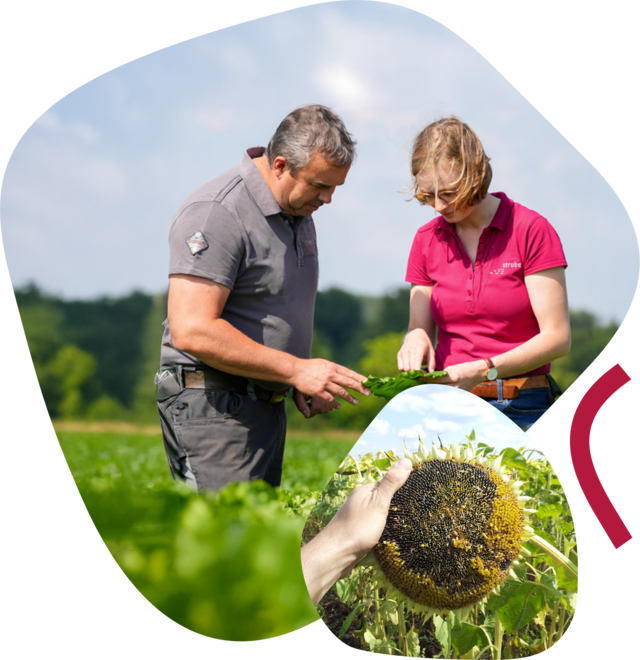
503	435
430	427
408	434
436	426
231	54
415	400
49	120
81	131
216	120
72	186
380	426
342	84
443	402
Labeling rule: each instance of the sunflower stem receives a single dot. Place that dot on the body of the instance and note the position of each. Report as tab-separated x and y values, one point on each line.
402	639
563	613
555	554
552	629
497	643
481	653
380	627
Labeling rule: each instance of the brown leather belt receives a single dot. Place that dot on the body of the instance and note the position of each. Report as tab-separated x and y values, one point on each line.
511	387
218	380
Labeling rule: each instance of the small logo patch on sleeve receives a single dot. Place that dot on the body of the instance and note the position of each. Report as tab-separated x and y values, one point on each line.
197	242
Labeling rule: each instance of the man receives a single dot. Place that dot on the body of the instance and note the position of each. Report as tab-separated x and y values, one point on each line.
243	280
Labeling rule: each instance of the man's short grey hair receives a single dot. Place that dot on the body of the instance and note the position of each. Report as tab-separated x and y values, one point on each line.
310	130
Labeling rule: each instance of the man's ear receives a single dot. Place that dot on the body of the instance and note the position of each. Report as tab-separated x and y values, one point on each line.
279	166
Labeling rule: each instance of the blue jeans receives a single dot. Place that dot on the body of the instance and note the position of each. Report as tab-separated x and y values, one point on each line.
526	409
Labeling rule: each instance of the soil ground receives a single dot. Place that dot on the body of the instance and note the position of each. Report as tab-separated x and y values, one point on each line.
334	613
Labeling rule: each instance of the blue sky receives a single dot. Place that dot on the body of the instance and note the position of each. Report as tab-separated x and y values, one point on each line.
430	412
91	188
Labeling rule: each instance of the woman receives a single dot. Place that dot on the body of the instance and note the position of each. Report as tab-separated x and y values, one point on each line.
488	274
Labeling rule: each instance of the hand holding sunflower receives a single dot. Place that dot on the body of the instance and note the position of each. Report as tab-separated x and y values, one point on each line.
352	532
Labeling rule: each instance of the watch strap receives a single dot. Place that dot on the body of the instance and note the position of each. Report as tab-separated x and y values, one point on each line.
492	371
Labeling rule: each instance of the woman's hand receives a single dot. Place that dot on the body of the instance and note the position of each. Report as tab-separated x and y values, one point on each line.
464	376
415	351
417	345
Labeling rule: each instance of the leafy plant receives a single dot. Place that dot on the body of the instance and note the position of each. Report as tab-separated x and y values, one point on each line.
224	565
391	386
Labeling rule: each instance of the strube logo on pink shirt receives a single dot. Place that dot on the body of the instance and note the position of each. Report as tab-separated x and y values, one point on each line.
505	265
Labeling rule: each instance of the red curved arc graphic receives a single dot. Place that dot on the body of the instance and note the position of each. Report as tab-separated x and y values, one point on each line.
586	412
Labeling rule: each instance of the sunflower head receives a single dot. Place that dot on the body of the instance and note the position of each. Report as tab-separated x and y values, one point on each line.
453	530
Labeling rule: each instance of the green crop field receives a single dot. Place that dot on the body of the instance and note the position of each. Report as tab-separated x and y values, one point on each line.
224	565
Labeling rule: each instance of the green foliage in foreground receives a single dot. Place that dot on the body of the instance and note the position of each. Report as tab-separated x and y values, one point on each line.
224	565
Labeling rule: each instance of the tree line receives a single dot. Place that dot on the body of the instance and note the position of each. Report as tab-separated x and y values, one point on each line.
96	359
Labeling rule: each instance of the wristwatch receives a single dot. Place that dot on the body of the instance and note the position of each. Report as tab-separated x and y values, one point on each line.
492	374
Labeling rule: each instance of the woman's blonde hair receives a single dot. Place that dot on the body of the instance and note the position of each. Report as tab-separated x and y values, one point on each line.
450	144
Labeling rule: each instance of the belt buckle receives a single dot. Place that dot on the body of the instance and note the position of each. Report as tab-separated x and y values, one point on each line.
276	397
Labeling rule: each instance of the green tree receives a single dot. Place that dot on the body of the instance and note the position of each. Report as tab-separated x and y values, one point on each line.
392	313
338	319
112	330
98	341
43	324
380	358
144	397
321	346
71	373
104	407
588	338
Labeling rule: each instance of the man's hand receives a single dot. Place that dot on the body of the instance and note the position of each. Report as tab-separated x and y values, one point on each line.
327	380
311	406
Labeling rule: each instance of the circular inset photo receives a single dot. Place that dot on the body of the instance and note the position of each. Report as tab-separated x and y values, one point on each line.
444	533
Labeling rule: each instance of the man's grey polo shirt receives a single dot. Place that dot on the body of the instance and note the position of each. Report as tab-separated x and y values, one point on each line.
232	231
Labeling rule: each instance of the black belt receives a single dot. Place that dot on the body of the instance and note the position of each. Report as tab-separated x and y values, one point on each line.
218	380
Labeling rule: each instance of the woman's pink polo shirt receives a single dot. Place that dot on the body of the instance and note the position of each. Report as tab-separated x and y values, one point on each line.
484	311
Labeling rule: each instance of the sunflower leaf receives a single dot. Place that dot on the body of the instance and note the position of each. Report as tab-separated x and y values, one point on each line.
513	458
443	634
464	636
390	386
526	601
349	619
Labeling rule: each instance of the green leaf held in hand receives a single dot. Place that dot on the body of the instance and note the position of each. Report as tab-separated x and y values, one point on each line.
390	386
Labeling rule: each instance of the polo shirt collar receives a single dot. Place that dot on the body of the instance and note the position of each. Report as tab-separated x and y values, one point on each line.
499	221
503	213
256	184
